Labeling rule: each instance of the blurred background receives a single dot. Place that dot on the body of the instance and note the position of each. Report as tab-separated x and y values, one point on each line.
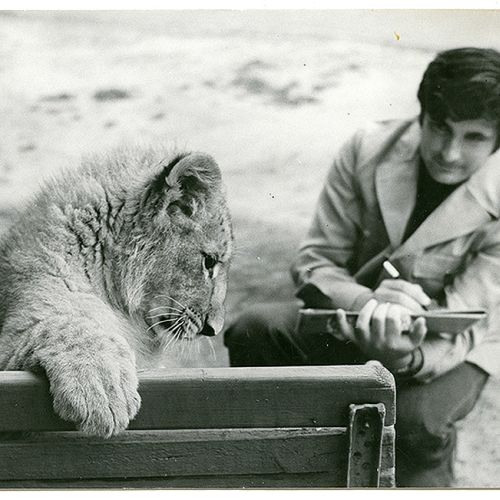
270	94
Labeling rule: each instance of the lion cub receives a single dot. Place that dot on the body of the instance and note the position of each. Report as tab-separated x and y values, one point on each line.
107	266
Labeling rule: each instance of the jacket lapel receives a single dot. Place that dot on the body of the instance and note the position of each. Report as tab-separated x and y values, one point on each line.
471	205
396	184
458	215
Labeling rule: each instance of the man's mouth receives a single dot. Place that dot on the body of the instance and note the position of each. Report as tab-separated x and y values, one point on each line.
446	167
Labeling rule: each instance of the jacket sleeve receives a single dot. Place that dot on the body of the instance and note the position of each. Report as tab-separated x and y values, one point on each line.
321	270
477	287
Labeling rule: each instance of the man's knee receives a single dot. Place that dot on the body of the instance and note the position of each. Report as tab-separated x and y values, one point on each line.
426	446
426	413
422	432
243	330
248	327
261	334
258	320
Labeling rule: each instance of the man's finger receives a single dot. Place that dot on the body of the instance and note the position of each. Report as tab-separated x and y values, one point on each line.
346	331
398	297
418	331
411	289
393	323
378	323
362	328
365	315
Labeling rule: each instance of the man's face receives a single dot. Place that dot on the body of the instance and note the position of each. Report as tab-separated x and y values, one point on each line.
453	151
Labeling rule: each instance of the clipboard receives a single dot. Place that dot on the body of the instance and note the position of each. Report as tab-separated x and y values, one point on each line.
437	320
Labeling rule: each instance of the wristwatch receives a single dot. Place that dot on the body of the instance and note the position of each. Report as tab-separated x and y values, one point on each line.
413	367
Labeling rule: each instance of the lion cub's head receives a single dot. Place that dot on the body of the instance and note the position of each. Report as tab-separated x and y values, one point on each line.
172	249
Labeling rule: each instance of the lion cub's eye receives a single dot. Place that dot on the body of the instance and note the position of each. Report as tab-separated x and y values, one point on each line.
209	261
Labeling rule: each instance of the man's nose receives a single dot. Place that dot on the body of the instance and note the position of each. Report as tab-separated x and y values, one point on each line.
452	150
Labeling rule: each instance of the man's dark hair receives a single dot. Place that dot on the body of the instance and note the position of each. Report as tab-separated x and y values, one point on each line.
462	84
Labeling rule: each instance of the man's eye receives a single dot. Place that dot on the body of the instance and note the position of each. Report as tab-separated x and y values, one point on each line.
440	127
476	137
209	261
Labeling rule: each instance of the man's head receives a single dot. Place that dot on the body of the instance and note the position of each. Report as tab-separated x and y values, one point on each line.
460	112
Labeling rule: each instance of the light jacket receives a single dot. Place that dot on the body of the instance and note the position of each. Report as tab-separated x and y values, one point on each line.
454	254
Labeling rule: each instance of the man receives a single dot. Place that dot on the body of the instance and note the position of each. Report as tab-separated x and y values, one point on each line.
423	194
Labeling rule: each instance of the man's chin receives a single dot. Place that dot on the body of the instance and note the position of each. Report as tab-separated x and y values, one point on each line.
446	175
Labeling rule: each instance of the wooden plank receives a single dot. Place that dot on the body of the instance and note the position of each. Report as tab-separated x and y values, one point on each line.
59	460
69	455
26	404
311	480
212	458
313	396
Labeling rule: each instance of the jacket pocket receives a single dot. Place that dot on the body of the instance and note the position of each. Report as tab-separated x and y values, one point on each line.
434	272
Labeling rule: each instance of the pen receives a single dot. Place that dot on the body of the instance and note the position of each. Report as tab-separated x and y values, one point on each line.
391	270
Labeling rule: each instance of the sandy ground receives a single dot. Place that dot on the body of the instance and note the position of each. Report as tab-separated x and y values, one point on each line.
271	95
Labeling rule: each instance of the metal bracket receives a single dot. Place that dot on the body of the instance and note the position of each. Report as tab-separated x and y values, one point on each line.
366	423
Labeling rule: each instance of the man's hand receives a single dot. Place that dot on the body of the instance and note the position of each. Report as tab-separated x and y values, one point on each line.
384	332
409	295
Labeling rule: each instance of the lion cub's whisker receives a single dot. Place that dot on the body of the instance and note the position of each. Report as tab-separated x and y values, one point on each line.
173	339
158	323
183	350
166	341
166	321
165	346
166	314
178	322
212	349
191	350
152	326
167	307
171	298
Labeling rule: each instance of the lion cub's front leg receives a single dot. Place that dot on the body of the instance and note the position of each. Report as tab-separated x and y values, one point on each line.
91	371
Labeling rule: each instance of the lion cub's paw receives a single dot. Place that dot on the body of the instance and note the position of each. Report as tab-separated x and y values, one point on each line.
97	390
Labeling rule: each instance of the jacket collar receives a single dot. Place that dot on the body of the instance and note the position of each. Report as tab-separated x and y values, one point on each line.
472	204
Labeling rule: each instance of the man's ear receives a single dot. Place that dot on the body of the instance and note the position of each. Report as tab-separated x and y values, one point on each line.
186	182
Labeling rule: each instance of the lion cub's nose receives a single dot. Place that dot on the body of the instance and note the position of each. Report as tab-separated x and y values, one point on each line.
208	331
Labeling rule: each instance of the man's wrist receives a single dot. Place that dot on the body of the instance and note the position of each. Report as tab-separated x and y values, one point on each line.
361	300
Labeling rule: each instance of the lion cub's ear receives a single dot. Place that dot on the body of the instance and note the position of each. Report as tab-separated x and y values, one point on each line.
186	182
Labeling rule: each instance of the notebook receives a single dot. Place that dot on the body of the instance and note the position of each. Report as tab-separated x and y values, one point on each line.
437	320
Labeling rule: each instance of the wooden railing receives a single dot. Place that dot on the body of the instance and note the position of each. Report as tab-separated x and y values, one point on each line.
312	426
